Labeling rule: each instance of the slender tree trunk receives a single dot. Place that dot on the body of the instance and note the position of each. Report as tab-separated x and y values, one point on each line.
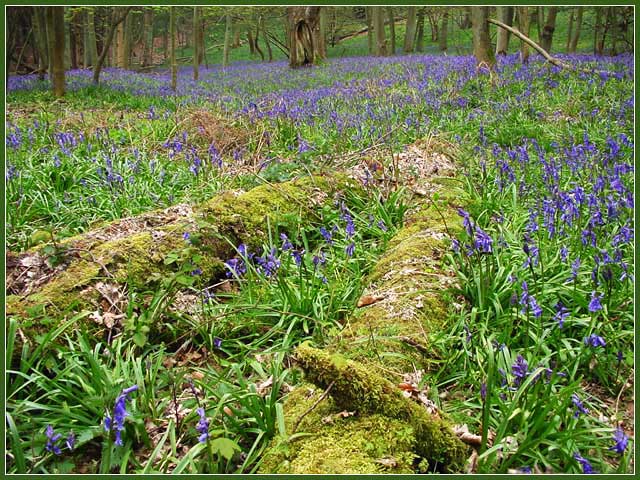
172	39
236	36
505	15
39	20
442	32
128	40
73	44
481	40
92	45
265	35
227	40
106	44
410	32
56	25
378	26
196	43
570	30
549	28
369	16
575	37
147	53
392	31
252	45
524	26
256	40
322	34
420	33
597	50
433	26
612	25
50	40
539	19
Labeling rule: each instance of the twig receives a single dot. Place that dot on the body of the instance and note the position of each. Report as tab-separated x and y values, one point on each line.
310	409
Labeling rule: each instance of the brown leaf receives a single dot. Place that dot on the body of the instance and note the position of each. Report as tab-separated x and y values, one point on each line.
410	387
472	462
367	300
263	387
388	462
462	431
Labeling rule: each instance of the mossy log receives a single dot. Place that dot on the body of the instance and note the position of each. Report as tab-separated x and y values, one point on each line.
133	251
367	425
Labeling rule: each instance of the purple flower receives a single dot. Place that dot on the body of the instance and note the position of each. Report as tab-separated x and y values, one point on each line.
350	249
286	244
594	304
483	241
621	441
297	256
580	408
186	236
520	369
483	390
217	342
595	341
203	425
561	314
70	441
236	267
326	235
119	413
586	466
52	440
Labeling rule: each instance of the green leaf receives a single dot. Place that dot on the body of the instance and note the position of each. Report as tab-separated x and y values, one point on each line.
224	447
140	339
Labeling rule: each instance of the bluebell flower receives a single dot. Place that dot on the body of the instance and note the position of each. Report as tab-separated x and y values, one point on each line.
326	235
621	441
525	469
483	242
594	304
297	256
203	425
350	249
586	466
286	244
561	314
217	342
186	236
382	226
595	341
483	390
580	408
70	441
52	440
236	267
520	369
119	413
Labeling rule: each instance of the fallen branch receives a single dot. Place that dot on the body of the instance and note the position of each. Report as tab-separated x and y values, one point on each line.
315	404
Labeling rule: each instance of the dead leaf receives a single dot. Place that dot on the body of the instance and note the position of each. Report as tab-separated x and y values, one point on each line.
343	414
263	387
472	462
367	300
388	462
462	431
410	387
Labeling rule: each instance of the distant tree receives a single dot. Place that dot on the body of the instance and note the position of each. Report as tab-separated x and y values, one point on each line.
172	39
55	25
39	22
524	27
116	19
420	32
378	27
228	31
410	31
392	31
196	43
370	40
322	34
505	15
577	27
147	31
442	32
549	28
481	40
267	42
302	23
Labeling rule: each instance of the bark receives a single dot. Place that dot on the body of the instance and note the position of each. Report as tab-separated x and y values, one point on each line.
505	15
322	34
597	49
420	33
524	25
117	20
127	41
539	13
302	23
236	36
575	37
378	27
466	21
267	43
39	21
92	45
172	39
410	32
73	44
392	31
252	45
612	25
196	43
256	40
227	40
570	30
369	16
442	35
55	20
481	41
549	28
147	52
433	26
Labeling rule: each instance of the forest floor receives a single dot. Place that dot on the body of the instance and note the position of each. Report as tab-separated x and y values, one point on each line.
173	258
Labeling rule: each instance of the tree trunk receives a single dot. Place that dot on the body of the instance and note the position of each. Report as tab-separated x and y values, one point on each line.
39	20
392	31
302	22
505	15
227	39
147	55
322	34
196	43
570	30
73	45
575	37
267	43
378	27
256	40
55	19
420	33
236	36
466	22
549	28
442	34
612	25
252	45
539	13
106	44
172	39
524	26
433	26
128	40
410	32
481	40
369	16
